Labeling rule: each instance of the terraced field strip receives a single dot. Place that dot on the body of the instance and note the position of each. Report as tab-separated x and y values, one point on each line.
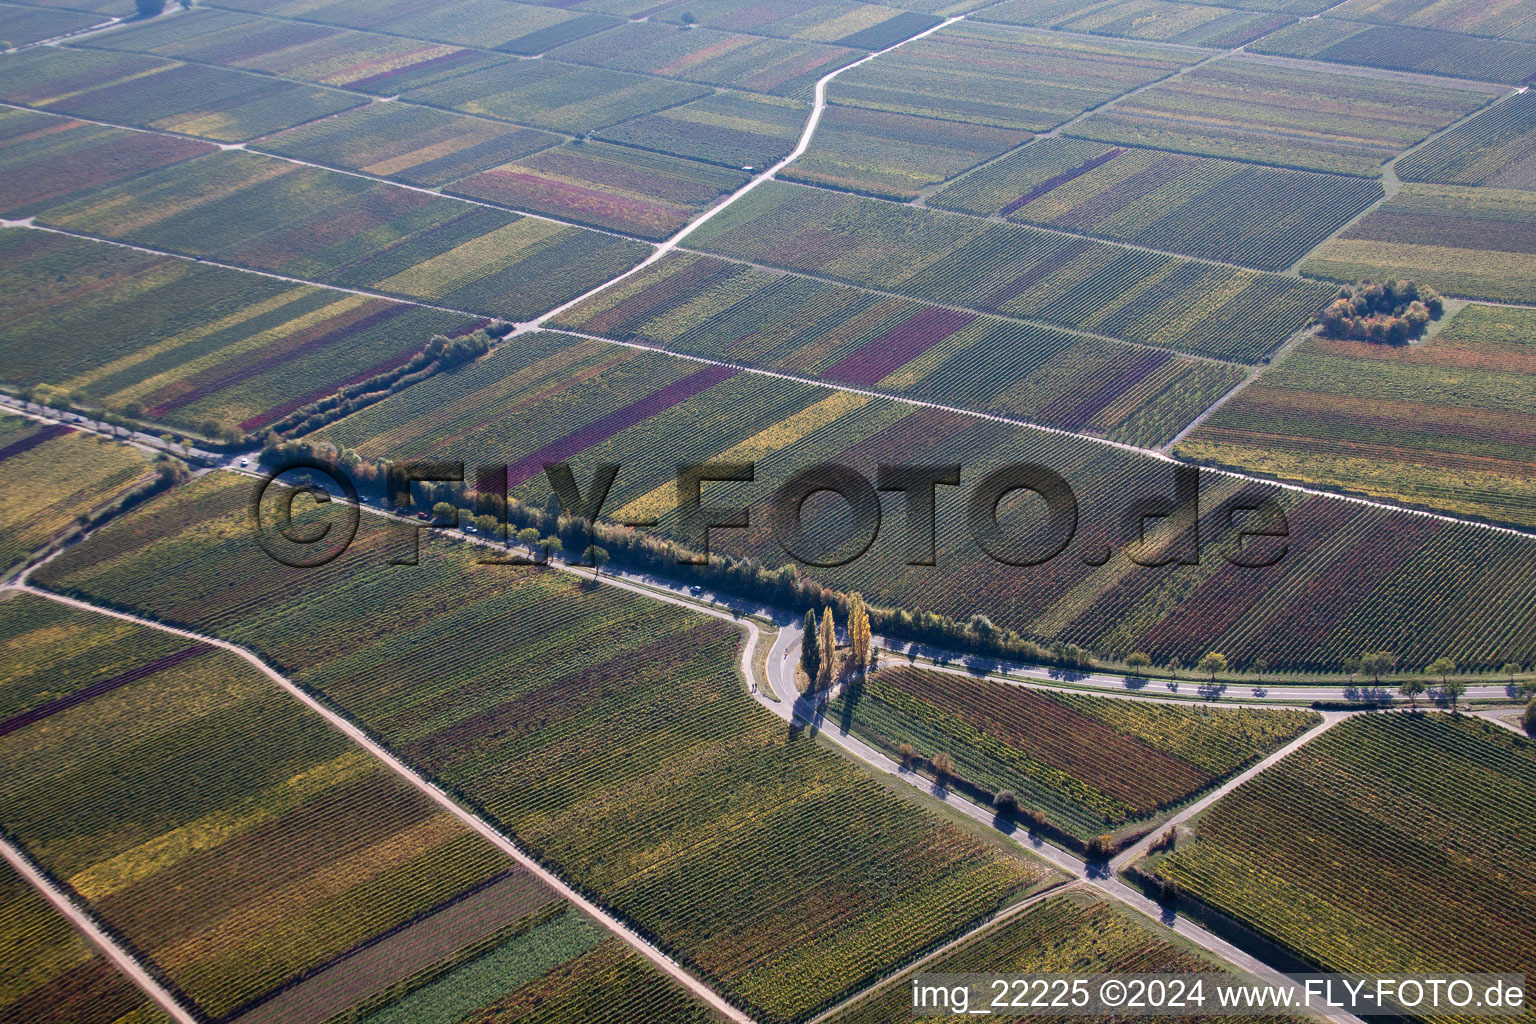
437	795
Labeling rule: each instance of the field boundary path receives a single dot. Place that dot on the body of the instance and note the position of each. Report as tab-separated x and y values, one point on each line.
1103	878
801	146
781	700
433	792
541	323
87	926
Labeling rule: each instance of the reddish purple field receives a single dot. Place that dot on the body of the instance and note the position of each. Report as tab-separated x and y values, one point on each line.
601	430
898	346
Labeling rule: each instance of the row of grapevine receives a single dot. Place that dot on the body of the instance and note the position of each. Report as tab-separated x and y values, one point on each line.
1450	879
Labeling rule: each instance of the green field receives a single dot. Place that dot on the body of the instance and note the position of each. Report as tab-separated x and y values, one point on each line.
309	52
704	306
1005	77
279	875
1075	932
732	129
611	735
1475	242
1352	578
417	145
51	974
1444	423
1159	20
603	186
1258	216
891	155
147	92
269	214
562	97
731	59
1091	764
1438	813
1134	294
50	476
1323	120
489	24
1495	148
1512	19
20	26
191	345
1401	48
46	159
863	25
233	860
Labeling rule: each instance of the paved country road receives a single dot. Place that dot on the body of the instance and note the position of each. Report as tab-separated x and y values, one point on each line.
792	705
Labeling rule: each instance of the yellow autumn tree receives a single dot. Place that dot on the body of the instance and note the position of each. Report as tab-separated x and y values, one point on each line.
858	630
827	642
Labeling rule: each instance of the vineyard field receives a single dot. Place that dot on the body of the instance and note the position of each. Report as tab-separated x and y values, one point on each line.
1005	77
863	26
337	57
1511	19
46	160
417	145
560	97
1439	812
891	155
605	186
1496	148
147	92
1156	20
51	475
22	26
1474	242
1401	48
1075	932
234	861
1133	294
1311	118
52	974
486	24
1257	216
611	735
1445	423
732	129
704	306
1352	578
1092	764
301	870
731	59
268	214
190	344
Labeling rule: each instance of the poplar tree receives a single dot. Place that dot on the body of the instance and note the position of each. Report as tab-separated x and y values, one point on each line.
858	630
810	648
828	643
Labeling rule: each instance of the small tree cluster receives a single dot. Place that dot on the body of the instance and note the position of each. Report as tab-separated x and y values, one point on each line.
1389	313
1377	663
440	353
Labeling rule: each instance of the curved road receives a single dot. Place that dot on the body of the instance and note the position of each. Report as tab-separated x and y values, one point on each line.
796	705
